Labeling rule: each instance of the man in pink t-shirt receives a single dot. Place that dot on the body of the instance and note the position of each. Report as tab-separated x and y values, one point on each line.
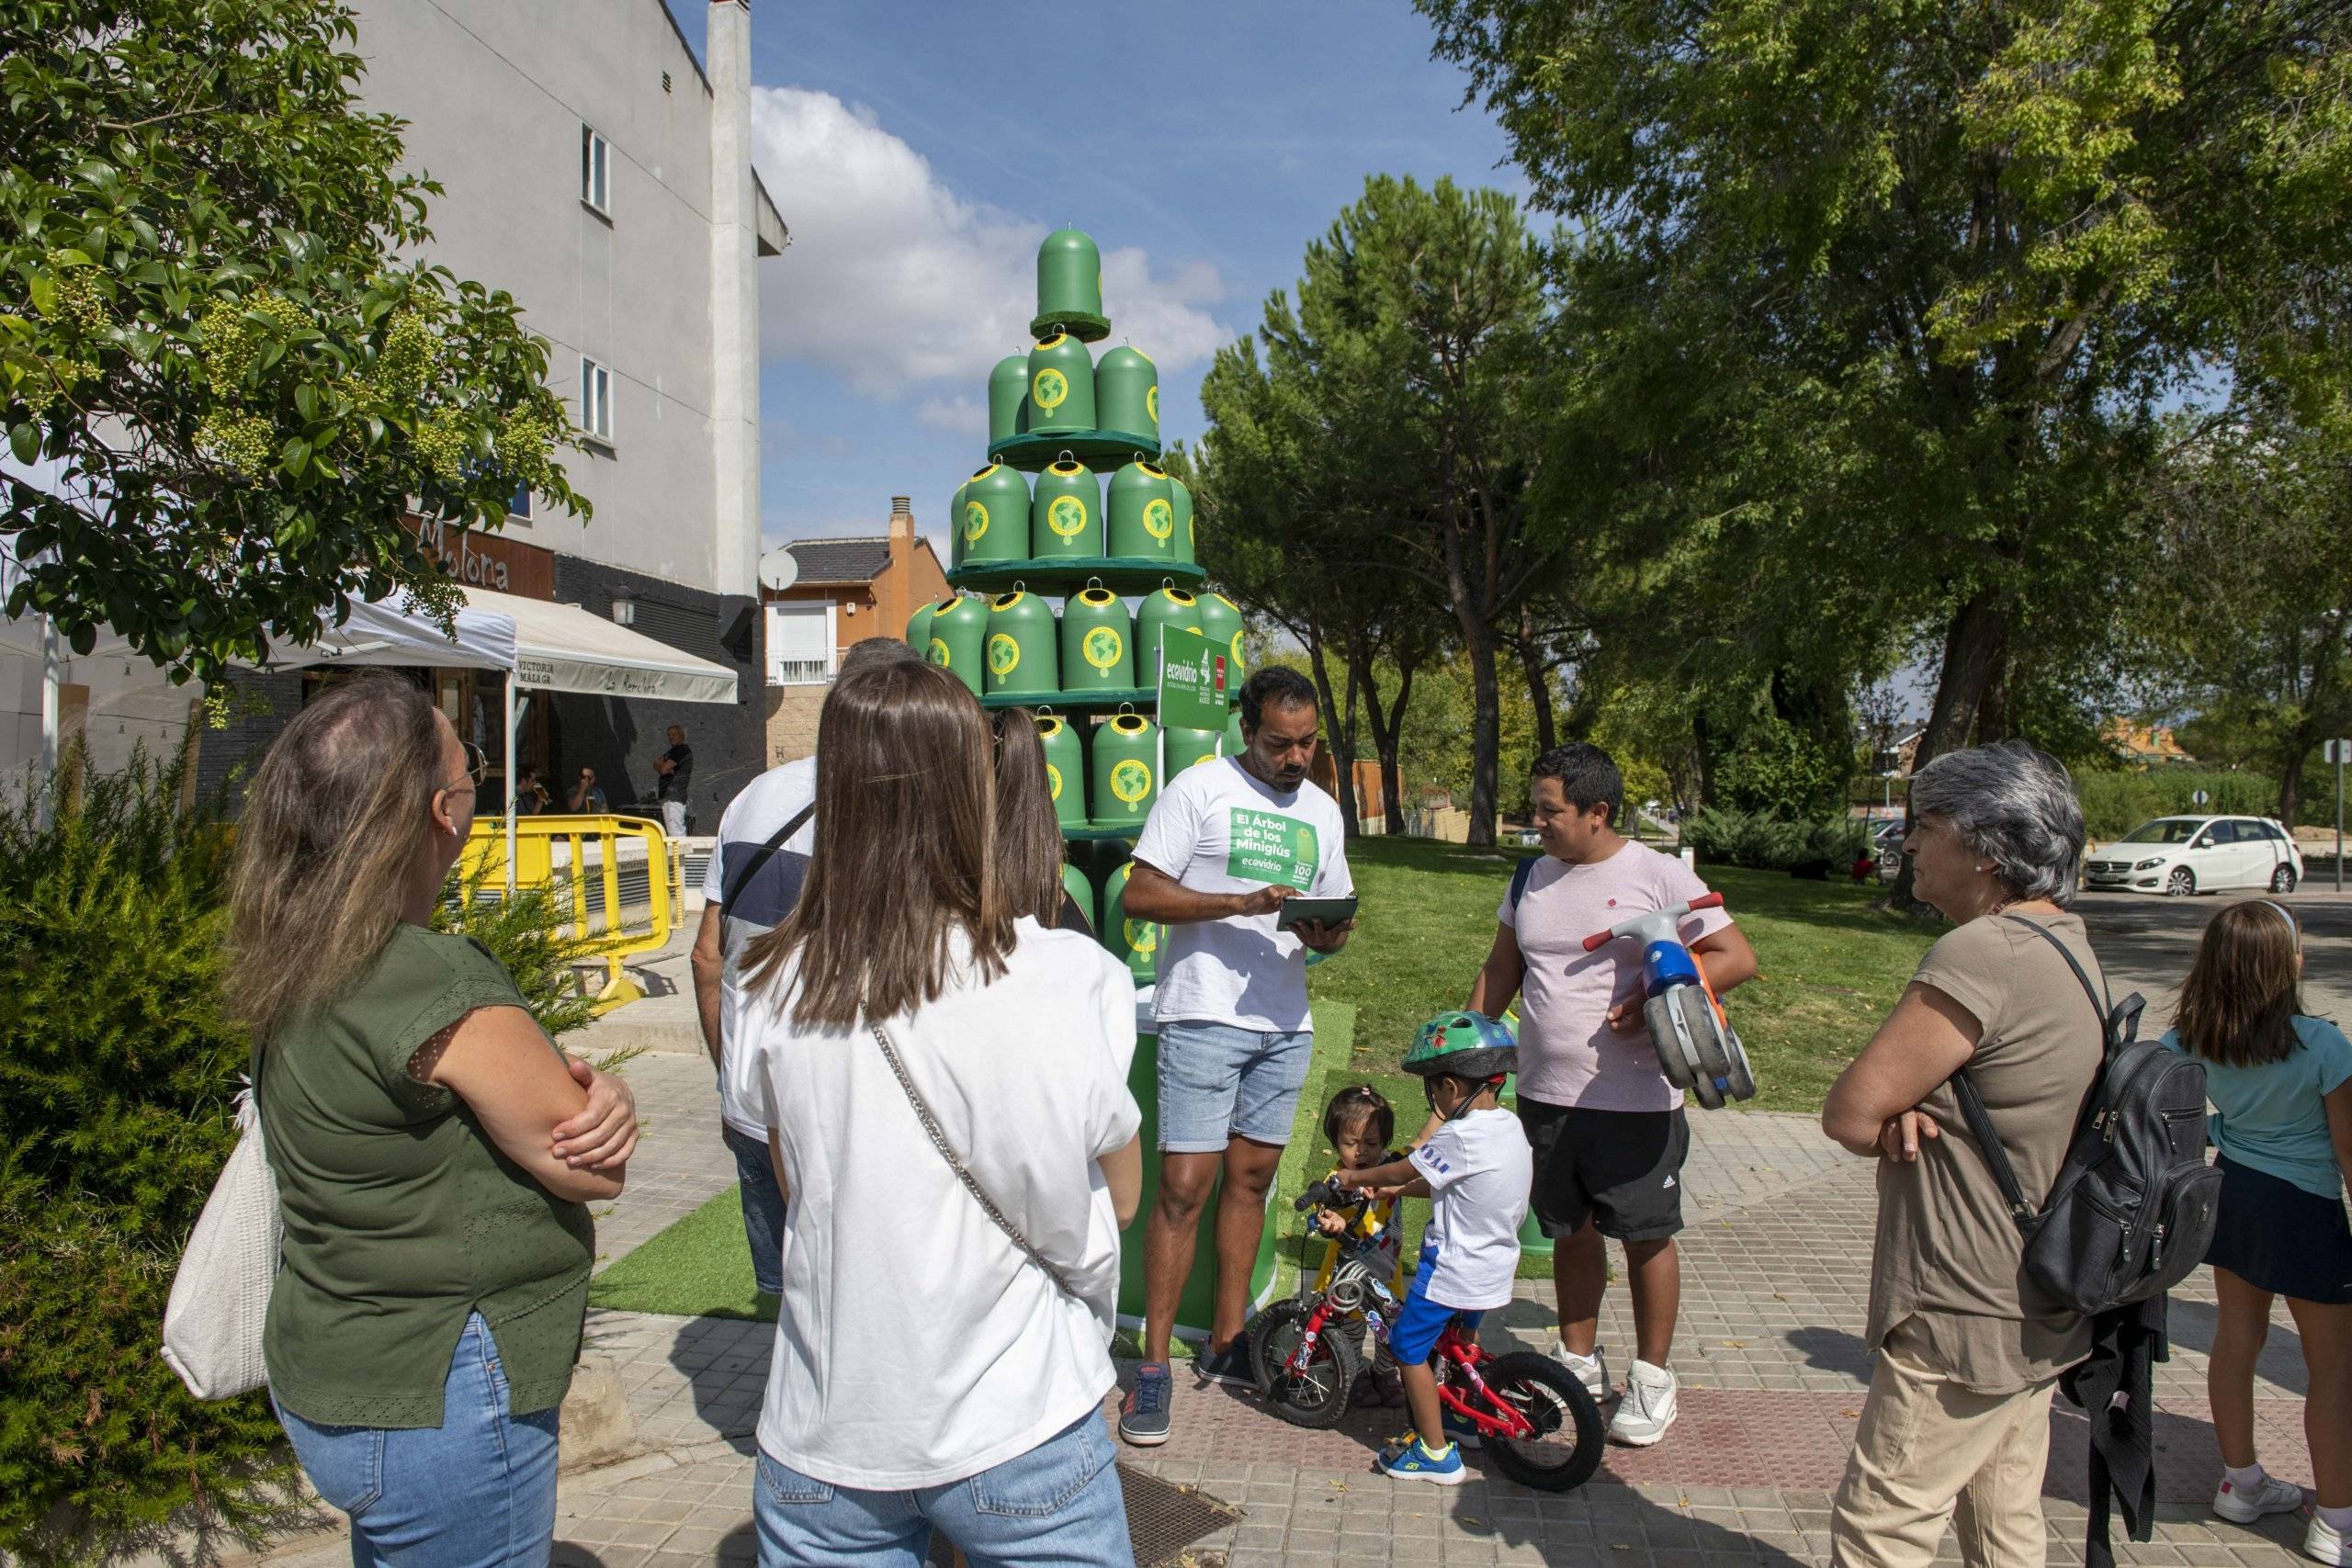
1606	1126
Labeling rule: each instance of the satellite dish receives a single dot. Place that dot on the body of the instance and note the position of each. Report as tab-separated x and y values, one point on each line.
778	570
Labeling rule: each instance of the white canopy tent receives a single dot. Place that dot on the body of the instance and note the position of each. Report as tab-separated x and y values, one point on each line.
539	645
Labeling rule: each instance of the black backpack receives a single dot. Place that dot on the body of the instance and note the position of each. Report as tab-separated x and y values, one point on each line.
2134	1203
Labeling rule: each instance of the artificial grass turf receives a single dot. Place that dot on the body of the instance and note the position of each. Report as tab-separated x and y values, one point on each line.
1831	968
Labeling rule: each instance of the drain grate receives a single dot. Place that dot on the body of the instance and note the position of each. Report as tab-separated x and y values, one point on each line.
1162	1520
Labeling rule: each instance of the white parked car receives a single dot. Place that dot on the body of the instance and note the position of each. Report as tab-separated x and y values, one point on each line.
2181	855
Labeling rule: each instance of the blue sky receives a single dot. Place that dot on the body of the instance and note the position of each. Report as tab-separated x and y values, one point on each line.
919	152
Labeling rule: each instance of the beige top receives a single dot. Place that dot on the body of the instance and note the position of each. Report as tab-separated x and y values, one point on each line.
1947	1252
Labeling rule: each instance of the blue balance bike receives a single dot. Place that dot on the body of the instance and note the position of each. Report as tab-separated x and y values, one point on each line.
1696	1047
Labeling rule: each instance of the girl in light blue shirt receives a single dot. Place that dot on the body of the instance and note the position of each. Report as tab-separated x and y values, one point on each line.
2281	1086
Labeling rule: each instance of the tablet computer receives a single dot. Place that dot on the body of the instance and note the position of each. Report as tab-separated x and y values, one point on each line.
1314	911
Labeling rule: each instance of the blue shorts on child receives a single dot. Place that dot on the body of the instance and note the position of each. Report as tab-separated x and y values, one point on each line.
1413	1339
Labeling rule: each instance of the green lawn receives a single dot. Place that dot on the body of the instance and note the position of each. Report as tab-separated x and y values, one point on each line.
1831	968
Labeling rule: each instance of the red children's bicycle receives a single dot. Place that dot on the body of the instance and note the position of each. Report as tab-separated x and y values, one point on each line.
1531	1413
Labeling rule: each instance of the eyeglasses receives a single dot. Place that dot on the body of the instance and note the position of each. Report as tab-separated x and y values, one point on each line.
477	769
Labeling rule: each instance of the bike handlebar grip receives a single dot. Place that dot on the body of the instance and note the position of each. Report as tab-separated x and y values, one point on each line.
1598	940
1708	901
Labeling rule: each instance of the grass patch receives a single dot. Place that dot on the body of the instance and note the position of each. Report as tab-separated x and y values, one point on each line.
697	1267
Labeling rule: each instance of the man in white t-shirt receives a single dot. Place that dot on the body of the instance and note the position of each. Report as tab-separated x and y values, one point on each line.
753	881
1224	847
1607	1127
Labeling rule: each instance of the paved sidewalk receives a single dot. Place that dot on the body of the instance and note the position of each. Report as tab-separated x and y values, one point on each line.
1773	1367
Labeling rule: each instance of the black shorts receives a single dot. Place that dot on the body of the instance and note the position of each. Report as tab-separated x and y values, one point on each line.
2278	1237
1620	1169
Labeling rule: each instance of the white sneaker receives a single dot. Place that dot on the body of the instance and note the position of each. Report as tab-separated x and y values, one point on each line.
2243	1505
1591	1371
2325	1543
1647	1409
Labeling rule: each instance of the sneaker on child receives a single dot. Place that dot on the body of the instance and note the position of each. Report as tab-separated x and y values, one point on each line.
2323	1543
1409	1458
1460	1429
2242	1501
1591	1371
1647	1409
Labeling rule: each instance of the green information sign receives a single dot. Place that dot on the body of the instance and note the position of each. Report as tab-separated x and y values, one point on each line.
1266	846
1192	680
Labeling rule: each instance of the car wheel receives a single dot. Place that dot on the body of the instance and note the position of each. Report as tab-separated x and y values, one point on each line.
2283	879
2181	882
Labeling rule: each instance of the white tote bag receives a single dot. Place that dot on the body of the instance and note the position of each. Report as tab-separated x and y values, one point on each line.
221	1295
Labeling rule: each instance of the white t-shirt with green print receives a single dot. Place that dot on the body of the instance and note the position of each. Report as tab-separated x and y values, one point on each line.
1218	830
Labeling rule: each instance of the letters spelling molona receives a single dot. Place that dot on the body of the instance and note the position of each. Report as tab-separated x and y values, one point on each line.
464	563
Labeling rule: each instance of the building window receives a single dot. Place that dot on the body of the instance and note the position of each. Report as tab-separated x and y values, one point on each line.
596	171
521	506
595	400
800	645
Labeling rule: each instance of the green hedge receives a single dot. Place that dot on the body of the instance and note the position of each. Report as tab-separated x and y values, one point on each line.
1765	841
2114	804
117	1073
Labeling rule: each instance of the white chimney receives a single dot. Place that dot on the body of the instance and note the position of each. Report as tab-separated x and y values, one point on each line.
734	300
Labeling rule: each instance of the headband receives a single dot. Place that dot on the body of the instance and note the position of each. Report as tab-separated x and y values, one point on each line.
2293	929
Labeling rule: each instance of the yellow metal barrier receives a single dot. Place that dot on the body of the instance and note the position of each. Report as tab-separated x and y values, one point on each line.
611	938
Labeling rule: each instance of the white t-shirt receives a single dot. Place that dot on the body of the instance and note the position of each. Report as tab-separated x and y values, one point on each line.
1567	1052
1217	829
754	817
916	1345
1480	1171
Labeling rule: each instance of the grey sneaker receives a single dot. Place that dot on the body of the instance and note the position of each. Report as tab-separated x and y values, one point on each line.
1143	1416
1647	1409
1591	1371
2243	1505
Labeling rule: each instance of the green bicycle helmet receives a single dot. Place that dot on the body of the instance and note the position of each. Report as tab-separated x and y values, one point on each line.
1463	1045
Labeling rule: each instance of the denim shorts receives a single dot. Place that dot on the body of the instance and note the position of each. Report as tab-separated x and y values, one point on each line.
1218	1082
477	1491
1058	1504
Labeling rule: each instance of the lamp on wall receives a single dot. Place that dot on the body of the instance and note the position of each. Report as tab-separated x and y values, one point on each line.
624	611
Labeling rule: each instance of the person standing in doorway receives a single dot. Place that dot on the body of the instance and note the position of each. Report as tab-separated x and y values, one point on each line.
1222	849
676	767
1607	1127
757	867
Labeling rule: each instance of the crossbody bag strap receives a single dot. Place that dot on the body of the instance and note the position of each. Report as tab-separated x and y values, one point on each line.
2101	1005
939	1141
777	841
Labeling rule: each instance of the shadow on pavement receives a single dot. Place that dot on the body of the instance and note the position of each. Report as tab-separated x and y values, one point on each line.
2192	1324
1597	1521
1832	1350
725	1361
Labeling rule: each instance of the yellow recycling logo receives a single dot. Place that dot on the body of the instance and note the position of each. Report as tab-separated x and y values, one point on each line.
975	521
1049	389
1103	647
1142	935
1151	403
1054	782
1004	655
937	653
1131	780
1159	517
1066	515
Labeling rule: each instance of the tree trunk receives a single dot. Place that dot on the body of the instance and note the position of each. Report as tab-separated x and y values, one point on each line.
1388	734
1993	716
2290	780
1973	648
1539	681
1486	712
1335	732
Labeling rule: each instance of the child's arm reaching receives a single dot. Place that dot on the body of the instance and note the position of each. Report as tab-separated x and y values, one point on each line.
1417	1187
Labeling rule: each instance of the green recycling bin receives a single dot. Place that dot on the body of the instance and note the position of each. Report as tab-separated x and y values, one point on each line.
919	628
959	631
1126	393
1069	286
1008	397
1098	642
955	525
1187	747
1143	514
1166	608
1135	943
1221	623
1082	893
1065	769
1061	385
1021	658
1180	495
1065	518
1124	779
995	516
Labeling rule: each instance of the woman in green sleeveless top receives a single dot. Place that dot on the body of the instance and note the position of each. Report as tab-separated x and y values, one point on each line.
435	1152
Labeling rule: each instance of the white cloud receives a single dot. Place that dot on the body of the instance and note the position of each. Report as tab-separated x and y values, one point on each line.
897	283
957	416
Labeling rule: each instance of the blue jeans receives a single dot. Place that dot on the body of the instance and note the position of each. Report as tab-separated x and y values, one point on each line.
763	1211
1058	1504
1218	1082
477	1491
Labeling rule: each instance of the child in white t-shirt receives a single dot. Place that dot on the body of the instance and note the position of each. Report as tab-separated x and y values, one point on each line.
1476	1170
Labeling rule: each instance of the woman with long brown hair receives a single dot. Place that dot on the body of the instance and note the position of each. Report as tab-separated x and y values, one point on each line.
1028	835
945	1083
2280	1081
435	1152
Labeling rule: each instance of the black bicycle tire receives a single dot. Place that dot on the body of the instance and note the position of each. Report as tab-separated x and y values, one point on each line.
1527	1366
1347	1364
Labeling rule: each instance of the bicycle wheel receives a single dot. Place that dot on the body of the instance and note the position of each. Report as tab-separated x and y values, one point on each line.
1318	1395
1565	1449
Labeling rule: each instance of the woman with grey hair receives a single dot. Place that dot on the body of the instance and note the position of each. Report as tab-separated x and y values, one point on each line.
1957	1425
